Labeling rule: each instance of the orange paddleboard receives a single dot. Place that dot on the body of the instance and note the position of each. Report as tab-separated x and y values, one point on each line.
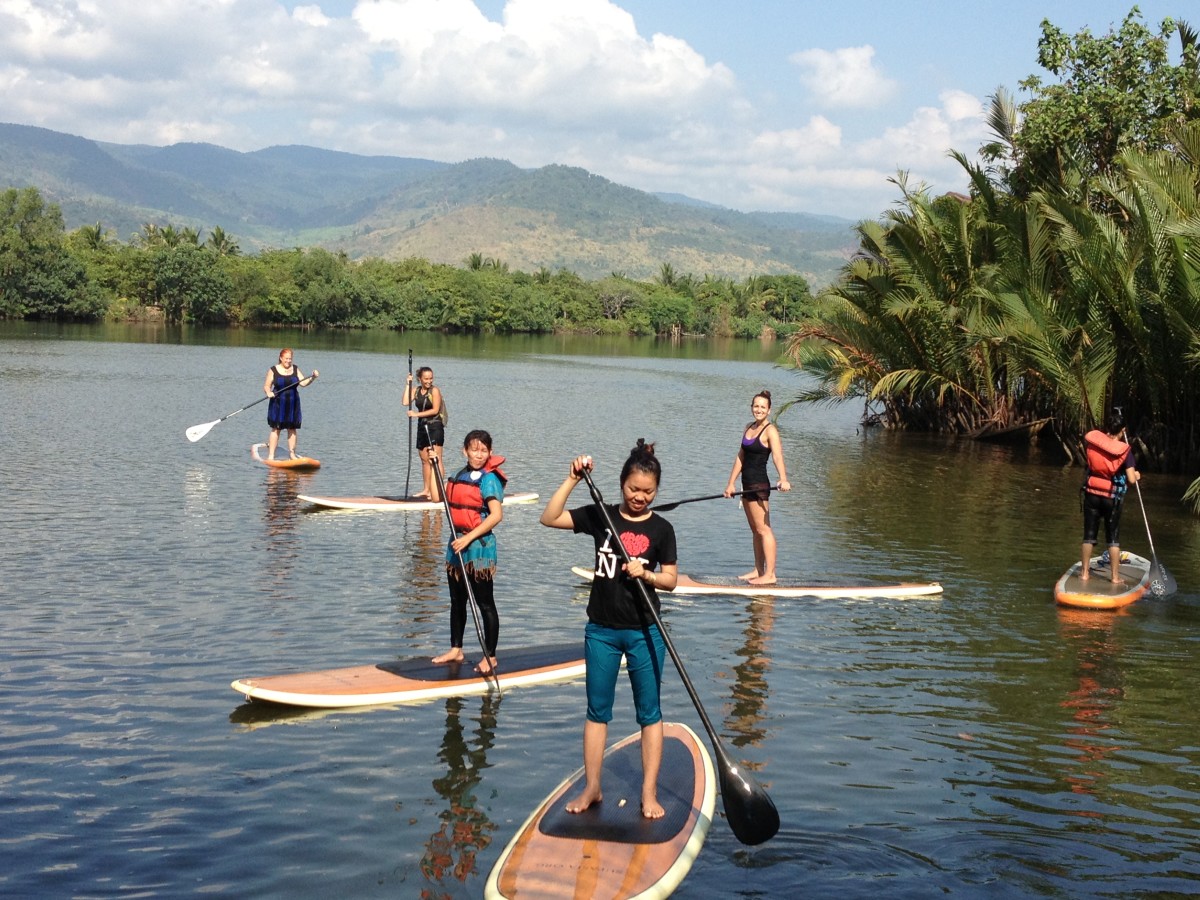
299	464
1098	592
611	850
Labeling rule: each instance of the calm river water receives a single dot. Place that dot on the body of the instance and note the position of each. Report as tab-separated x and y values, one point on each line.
982	743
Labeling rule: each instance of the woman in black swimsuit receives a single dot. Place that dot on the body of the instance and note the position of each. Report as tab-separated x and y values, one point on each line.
424	400
760	441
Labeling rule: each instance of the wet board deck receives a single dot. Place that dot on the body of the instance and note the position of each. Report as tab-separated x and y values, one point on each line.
299	464
1098	592
399	504
414	679
733	587
610	850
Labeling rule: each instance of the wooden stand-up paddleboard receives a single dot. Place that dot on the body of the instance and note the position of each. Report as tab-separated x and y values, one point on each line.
1098	592
299	464
414	679
732	587
399	504
611	850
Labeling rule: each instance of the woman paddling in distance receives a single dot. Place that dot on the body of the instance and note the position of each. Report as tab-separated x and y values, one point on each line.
476	497
1111	469
424	402
282	385
760	440
619	625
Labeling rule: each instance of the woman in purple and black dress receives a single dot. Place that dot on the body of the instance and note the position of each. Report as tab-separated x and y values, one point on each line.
282	385
760	442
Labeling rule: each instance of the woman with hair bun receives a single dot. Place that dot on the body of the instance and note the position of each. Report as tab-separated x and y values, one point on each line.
619	625
760	442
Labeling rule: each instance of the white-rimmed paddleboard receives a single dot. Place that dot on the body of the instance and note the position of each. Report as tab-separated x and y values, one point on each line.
733	587
400	504
1098	592
297	464
415	679
611	850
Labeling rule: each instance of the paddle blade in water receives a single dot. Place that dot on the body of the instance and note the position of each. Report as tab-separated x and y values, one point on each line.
750	811
1162	582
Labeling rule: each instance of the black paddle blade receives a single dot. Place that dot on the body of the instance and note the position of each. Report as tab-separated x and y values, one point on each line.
750	811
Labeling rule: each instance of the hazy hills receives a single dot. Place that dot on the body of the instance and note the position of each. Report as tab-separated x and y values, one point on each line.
394	207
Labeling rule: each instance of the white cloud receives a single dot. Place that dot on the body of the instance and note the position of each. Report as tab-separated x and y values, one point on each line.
846	77
549	82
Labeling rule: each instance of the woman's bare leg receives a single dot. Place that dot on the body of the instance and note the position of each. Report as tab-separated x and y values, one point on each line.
594	736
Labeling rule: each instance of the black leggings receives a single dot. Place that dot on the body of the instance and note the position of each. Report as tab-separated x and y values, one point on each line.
483	586
1097	509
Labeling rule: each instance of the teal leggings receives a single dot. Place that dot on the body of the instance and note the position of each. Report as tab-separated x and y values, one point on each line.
644	653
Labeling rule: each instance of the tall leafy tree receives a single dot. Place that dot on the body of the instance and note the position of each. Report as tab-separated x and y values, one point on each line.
1111	93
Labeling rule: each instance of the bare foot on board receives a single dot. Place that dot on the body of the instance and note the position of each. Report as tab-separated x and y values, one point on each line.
584	800
486	666
751	574
652	809
763	579
454	654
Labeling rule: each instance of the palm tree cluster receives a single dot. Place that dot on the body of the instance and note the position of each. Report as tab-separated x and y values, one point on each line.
1051	292
960	313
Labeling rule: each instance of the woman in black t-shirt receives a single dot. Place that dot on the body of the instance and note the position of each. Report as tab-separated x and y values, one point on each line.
619	625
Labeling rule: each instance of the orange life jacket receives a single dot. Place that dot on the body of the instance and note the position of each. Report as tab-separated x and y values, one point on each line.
467	507
1105	460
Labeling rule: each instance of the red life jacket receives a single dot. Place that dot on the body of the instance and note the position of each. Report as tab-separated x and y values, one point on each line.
1105	460
467	508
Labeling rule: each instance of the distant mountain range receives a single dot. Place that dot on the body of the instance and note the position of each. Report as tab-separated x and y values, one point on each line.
394	207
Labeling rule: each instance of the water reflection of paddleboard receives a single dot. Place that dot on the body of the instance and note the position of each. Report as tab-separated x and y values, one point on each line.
610	849
1098	592
414	679
784	588
399	504
299	464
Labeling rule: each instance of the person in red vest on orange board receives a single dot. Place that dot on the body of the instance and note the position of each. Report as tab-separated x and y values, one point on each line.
1111	469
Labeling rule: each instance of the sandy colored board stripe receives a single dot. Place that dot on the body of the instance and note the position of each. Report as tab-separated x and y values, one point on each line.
730	587
399	504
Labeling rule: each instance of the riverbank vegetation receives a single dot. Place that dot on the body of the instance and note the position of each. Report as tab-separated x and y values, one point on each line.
180	276
1065	284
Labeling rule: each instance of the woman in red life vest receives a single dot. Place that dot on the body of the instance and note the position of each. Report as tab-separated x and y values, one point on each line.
476	497
1111	469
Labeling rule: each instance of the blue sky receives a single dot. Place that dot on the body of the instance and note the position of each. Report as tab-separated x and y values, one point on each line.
760	105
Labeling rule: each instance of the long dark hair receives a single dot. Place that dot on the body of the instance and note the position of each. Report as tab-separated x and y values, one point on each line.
642	459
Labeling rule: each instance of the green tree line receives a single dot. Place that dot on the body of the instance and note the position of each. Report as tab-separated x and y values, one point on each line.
47	273
1065	284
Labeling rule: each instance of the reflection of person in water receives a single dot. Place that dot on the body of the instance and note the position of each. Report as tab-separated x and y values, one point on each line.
1100	687
465	830
750	689
279	516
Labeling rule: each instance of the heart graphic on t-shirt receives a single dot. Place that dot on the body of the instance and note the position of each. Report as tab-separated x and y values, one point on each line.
635	544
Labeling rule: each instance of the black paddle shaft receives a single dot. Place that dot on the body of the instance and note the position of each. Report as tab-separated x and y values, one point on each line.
749	810
411	392
435	461
667	507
